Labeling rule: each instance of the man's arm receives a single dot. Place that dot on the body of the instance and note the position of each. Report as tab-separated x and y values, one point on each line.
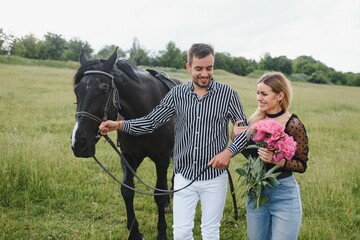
147	124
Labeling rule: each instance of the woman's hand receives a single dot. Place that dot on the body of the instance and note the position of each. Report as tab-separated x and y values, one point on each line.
108	126
267	156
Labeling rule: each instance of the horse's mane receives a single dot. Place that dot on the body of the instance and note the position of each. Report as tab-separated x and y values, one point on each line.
129	69
93	64
123	65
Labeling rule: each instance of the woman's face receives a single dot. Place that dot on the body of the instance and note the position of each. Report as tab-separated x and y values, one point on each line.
268	100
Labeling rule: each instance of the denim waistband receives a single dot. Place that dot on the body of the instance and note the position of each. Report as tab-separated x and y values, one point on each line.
284	175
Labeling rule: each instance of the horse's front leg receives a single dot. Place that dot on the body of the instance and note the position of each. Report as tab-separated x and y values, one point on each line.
162	165
128	196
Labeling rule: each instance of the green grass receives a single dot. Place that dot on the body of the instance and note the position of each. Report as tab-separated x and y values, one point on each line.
47	193
16	60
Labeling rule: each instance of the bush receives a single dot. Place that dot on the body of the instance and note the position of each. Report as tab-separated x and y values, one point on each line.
299	77
319	77
256	73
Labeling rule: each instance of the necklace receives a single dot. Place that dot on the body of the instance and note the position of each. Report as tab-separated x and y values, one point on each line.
269	115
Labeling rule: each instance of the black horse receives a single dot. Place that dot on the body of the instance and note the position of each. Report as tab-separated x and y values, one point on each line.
107	89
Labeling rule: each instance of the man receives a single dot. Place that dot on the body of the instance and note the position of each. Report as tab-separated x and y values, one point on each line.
203	108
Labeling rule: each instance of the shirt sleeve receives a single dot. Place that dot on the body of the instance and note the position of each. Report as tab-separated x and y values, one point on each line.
297	130
156	118
236	113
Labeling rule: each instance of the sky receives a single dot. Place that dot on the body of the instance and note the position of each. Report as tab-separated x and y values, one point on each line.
327	30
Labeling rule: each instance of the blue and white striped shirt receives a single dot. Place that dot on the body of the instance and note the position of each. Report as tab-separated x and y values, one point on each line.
201	128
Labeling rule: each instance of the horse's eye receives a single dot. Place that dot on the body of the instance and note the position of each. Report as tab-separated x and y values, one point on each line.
104	91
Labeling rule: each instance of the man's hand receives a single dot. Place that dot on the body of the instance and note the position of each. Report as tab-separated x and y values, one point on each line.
221	160
108	126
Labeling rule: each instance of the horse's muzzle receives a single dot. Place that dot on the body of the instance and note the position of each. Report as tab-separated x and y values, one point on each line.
83	148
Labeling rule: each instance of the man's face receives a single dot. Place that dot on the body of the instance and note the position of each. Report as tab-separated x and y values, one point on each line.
201	70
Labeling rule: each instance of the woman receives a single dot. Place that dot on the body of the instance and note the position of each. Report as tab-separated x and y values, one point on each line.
280	218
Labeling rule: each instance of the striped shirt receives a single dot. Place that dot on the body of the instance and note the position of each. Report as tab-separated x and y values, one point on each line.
201	128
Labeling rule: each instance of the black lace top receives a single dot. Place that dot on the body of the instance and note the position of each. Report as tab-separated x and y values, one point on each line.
298	163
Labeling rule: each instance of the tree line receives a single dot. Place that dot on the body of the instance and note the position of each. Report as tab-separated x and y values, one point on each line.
55	47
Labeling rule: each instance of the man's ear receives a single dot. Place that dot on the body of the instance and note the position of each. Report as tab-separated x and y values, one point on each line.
188	67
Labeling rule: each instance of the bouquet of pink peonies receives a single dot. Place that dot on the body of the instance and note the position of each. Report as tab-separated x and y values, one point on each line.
271	135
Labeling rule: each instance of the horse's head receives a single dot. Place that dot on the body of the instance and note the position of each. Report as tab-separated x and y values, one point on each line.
97	99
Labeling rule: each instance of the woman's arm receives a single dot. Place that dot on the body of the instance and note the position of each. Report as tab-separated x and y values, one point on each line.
297	130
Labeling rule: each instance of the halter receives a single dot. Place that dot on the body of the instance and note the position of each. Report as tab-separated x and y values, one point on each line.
114	96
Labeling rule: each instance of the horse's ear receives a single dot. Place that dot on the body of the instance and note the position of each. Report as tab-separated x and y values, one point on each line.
109	64
83	57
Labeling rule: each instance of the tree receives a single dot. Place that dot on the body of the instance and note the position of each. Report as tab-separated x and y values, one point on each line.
252	65
319	77
2	39
53	47
304	64
266	62
27	47
73	49
106	51
223	61
171	57
242	66
281	63
239	65
137	55
6	42
337	78
353	79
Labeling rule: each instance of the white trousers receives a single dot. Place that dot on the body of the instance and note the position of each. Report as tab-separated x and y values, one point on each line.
212	196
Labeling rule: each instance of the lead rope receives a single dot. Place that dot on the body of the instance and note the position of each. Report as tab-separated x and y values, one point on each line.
233	196
160	192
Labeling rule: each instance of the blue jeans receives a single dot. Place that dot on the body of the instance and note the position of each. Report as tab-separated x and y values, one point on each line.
280	218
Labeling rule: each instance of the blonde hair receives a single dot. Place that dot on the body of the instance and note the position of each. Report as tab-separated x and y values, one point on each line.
278	83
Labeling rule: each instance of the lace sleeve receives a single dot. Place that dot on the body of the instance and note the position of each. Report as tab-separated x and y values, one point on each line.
295	128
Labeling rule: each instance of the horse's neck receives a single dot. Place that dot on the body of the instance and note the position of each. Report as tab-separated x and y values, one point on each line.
132	101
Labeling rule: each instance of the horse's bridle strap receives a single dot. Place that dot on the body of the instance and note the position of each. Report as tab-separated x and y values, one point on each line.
89	115
99	72
113	97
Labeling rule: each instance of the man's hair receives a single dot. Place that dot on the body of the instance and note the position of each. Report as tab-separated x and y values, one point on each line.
199	50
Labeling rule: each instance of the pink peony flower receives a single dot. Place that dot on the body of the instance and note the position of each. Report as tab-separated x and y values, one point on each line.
273	134
269	134
267	131
286	148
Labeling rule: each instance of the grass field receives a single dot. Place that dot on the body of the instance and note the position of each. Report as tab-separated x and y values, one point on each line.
47	193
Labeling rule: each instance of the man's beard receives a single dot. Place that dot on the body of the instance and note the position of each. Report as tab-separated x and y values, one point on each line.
195	81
